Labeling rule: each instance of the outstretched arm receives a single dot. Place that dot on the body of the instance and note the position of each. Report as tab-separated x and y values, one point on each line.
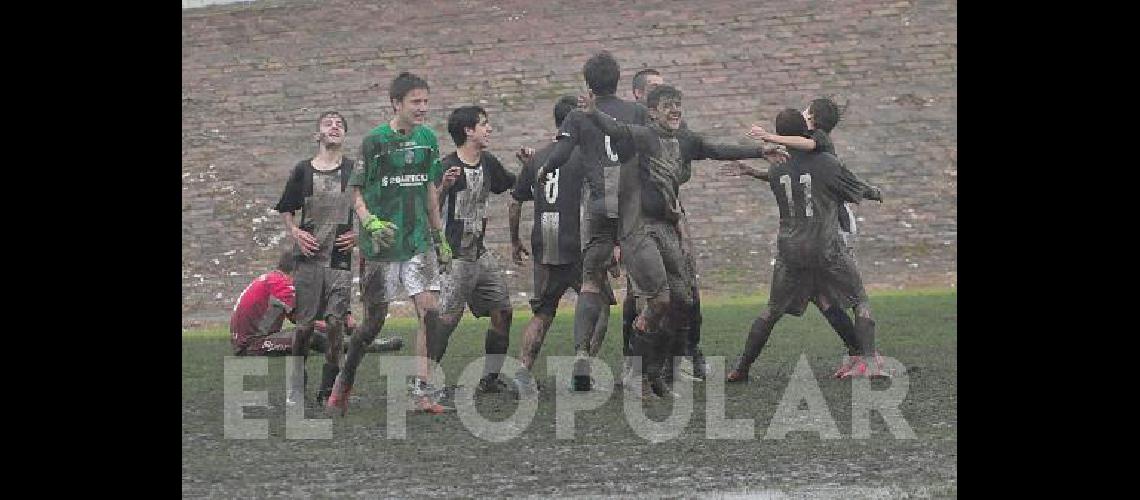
738	169
564	144
791	141
852	189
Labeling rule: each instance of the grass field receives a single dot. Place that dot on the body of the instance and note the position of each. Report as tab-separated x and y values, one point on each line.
440	457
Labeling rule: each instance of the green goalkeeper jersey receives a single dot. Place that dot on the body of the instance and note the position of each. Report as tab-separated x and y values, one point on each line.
394	181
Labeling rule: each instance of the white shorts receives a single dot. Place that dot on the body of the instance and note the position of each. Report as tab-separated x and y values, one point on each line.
383	280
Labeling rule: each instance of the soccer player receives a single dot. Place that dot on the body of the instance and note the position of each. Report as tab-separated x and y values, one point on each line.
396	198
475	278
261	309
822	115
811	262
609	171
652	251
323	241
555	240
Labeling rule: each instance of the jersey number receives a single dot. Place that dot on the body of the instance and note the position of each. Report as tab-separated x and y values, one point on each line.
610	151
551	188
805	179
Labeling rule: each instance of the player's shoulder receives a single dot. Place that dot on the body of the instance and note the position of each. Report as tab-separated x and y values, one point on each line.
424	133
301	167
490	159
450	160
823	162
379	132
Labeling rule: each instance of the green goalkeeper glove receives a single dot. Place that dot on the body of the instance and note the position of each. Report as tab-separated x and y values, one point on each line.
382	232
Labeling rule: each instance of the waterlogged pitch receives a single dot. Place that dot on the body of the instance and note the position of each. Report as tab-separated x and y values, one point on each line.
792	431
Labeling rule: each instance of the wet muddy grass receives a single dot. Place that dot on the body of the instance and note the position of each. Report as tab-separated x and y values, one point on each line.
441	457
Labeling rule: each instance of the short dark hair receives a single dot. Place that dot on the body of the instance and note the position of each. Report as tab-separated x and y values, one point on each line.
287	263
602	73
791	122
336	114
825	113
463	118
640	77
563	107
661	92
403	83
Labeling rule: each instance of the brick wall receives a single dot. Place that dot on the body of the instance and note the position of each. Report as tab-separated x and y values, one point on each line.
256	75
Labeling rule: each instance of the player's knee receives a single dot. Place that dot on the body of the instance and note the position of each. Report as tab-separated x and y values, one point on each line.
501	318
592	283
766	314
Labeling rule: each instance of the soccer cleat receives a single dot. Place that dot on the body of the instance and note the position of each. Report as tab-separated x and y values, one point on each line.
700	366
662	388
338	399
427	397
386	345
491	384
525	385
427	405
845	366
581	383
737	376
877	369
858	368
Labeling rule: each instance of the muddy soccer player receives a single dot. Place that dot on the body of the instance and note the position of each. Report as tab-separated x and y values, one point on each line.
652	241
475	279
822	115
396	198
555	243
603	165
811	261
323	241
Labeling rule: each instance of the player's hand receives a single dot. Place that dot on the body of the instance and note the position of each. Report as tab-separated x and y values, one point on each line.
306	241
735	169
382	232
776	156
519	253
524	154
875	194
758	132
346	241
450	176
442	249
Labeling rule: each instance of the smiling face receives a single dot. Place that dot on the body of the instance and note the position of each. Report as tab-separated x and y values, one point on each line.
331	130
481	134
412	109
668	112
